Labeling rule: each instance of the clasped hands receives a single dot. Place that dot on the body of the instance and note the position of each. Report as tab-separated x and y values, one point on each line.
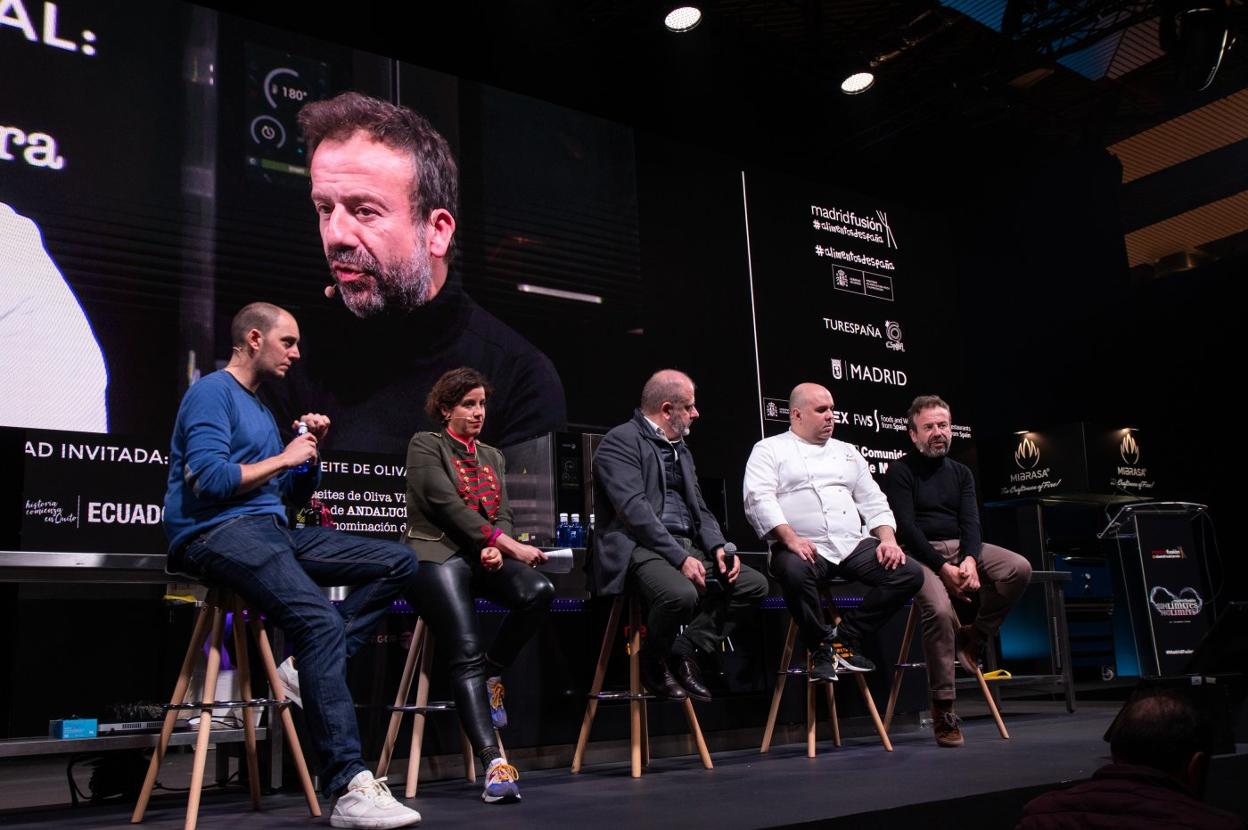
960	580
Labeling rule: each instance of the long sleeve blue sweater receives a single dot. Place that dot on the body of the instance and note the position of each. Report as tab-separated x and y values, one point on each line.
221	426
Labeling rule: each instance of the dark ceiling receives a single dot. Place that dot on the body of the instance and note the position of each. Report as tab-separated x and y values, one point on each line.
955	98
761	79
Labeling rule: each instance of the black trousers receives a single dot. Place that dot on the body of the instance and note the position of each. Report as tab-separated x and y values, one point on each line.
887	590
443	595
672	600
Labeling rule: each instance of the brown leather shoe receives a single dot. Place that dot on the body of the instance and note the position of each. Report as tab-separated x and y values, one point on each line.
946	725
689	675
658	679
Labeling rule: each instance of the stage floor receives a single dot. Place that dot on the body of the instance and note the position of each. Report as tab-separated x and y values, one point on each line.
982	784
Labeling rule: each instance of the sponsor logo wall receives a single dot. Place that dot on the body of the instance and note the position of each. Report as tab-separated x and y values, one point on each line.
848	293
1073	458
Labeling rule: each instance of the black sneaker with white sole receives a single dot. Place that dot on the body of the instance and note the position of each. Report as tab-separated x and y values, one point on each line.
847	655
823	665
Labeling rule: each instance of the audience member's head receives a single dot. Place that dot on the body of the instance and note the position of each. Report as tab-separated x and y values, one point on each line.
1161	729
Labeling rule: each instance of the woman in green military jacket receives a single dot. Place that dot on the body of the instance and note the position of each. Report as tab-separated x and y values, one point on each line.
459	527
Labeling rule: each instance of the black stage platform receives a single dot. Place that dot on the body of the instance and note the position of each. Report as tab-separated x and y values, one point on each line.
983	784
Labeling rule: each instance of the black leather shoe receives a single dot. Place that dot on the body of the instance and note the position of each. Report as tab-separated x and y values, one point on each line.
690	676
658	678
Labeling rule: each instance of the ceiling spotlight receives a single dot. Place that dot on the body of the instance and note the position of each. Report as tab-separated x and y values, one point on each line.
857	82
683	19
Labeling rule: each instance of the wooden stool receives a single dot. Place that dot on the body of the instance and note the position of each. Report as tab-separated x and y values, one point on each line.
903	665
210	626
790	642
421	649
639	737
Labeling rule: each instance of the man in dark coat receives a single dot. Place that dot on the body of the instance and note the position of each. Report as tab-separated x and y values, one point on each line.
1160	758
655	535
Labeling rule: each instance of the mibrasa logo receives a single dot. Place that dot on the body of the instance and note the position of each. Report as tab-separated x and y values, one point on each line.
1129	450
1026	454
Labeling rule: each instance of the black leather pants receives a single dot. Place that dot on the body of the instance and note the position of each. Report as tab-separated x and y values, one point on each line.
443	596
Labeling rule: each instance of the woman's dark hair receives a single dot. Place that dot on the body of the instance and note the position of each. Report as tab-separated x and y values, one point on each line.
451	388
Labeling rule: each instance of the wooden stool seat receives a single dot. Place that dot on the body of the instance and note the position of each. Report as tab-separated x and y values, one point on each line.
639	737
787	670
903	665
210	627
420	652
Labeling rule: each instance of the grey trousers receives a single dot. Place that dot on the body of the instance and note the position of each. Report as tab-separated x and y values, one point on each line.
672	600
1003	576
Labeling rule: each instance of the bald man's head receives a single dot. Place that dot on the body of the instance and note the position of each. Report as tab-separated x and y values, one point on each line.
802	393
668	400
811	416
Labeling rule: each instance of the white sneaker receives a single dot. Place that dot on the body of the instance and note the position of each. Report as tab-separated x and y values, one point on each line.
290	679
367	804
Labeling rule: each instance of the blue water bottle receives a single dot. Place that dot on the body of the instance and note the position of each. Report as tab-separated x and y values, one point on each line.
302	429
576	532
561	532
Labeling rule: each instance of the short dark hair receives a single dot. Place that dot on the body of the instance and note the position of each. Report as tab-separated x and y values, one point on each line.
925	402
436	184
1159	728
259	316
450	389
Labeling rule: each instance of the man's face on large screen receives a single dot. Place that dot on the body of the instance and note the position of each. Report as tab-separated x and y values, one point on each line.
376	249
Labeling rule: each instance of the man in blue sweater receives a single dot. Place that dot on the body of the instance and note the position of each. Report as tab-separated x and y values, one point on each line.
225	515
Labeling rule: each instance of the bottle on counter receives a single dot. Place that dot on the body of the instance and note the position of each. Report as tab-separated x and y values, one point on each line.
561	532
576	533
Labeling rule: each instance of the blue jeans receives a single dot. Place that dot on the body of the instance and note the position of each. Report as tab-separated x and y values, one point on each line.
279	572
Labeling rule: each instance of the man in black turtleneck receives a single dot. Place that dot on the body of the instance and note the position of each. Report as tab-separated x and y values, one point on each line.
385	189
933	499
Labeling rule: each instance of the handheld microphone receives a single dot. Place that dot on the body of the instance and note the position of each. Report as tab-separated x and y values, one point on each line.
720	580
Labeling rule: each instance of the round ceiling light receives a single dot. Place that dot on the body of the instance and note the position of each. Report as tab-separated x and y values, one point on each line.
683	19
858	82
